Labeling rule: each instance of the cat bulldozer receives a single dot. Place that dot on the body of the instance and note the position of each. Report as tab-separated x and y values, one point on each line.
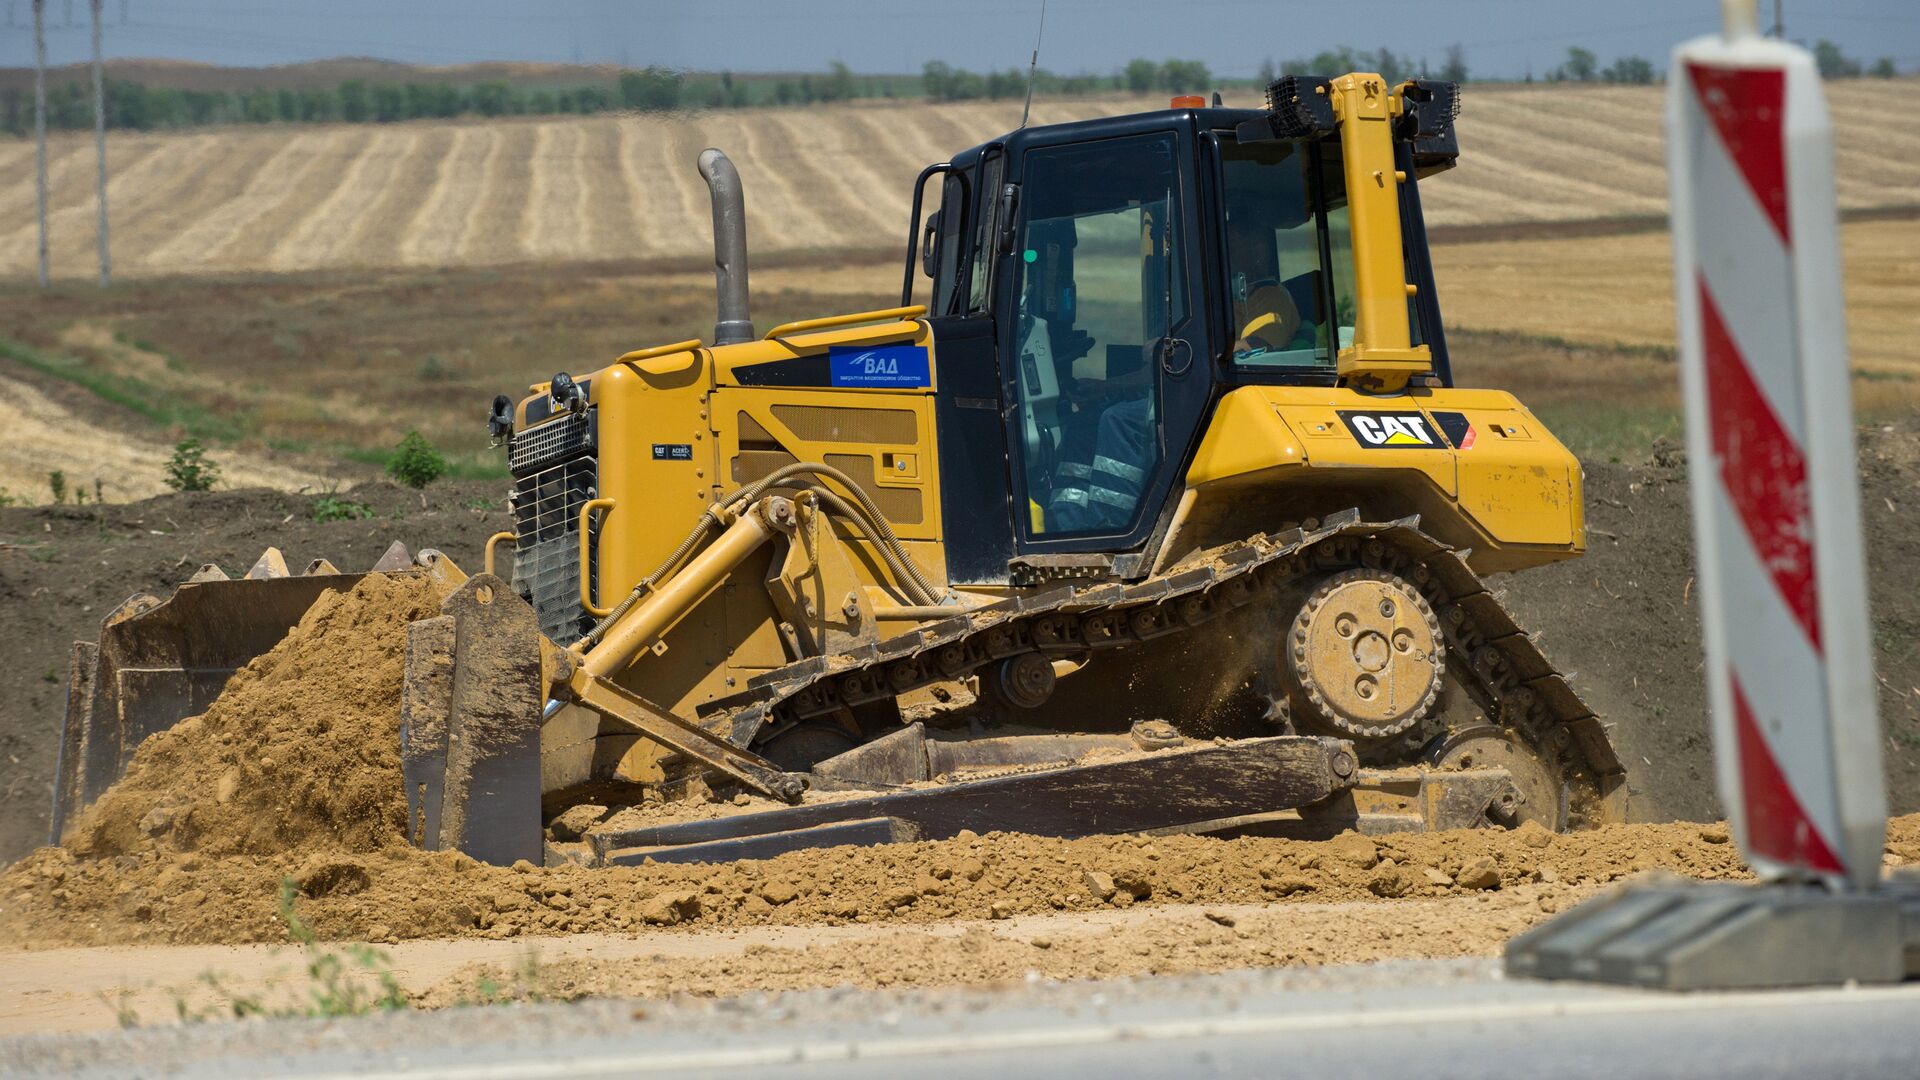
1161	512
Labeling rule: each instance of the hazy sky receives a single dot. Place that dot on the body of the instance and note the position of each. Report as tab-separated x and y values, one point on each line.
1502	37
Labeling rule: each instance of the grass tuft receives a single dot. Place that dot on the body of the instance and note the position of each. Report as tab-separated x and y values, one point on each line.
128	392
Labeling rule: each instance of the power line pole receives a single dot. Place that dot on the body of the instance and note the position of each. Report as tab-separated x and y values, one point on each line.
40	125
1779	31
100	146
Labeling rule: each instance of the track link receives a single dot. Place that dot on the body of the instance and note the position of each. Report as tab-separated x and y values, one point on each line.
1498	665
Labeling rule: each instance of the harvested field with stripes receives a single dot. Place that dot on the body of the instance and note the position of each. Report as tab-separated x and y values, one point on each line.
824	178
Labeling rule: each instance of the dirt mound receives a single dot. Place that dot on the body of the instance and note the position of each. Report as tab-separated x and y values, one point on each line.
63	567
54	897
301	750
292	776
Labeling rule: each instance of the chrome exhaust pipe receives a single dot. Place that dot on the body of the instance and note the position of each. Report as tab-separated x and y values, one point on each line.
729	248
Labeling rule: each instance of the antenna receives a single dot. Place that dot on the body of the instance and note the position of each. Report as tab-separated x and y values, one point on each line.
1033	64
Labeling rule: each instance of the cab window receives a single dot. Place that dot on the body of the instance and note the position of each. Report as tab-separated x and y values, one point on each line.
1099	279
992	172
949	241
1289	254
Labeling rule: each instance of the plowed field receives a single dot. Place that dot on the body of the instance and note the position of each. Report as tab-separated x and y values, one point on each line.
616	187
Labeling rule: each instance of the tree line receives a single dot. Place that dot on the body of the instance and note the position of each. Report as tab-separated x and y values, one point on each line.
942	82
1581	65
135	106
132	105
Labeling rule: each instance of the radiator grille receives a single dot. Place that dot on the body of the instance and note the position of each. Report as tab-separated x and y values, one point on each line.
537	447
546	546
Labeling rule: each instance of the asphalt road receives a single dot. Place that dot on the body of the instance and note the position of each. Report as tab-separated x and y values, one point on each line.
1404	1020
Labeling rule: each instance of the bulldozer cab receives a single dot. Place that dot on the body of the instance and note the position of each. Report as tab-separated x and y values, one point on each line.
1104	282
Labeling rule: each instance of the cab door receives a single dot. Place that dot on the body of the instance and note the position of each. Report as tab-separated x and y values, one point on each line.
1104	360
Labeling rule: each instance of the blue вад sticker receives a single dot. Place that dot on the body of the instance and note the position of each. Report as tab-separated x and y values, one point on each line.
880	365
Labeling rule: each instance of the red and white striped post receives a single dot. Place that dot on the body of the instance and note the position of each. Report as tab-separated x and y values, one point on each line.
1776	514
1776	502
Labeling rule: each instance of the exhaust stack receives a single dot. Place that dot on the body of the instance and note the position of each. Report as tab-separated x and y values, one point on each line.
729	248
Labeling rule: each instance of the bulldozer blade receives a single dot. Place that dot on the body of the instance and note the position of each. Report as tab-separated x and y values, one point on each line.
496	692
395	558
426	699
159	662
270	564
1158	791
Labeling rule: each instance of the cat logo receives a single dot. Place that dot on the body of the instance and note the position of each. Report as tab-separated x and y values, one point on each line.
1392	430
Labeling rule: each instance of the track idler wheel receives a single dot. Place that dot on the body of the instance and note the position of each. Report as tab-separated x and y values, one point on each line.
1025	681
1365	655
1537	791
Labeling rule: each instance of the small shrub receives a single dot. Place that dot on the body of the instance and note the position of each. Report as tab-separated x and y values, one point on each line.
331	507
57	482
415	462
7	498
189	469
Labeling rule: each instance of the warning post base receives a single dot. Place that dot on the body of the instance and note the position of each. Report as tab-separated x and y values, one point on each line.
1679	935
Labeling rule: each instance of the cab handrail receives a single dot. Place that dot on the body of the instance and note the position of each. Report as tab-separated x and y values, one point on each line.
911	311
659	350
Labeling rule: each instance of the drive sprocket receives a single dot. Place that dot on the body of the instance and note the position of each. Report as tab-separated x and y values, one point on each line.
1365	655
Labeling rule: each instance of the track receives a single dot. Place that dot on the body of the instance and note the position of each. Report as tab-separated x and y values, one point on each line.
1500	668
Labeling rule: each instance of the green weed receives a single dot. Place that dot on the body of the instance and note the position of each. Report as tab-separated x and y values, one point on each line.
337	982
331	507
189	468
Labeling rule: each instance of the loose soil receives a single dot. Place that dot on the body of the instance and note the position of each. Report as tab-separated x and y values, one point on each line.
290	780
292	776
62	569
73	989
1622	618
300	752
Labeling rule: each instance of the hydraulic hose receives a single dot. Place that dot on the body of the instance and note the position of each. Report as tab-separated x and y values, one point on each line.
863	511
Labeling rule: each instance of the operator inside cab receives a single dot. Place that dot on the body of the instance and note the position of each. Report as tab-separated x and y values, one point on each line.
1266	317
1286	246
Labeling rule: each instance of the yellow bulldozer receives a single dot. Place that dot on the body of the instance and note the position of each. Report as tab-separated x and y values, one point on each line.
1161	512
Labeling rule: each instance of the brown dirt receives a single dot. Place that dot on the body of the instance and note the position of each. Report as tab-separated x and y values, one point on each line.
293	774
63	568
76	989
301	750
1625	620
57	898
1176	940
